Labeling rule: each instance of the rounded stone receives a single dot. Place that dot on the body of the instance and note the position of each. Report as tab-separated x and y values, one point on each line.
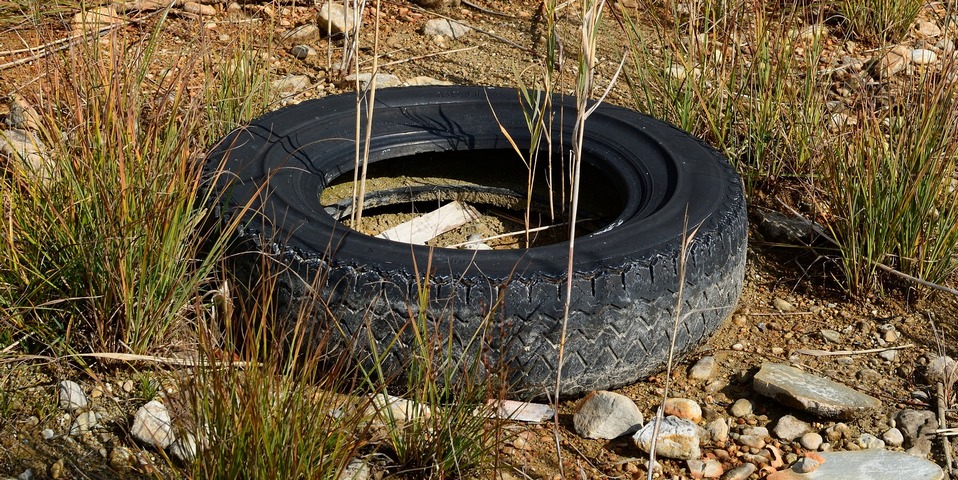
811	441
742	407
683	408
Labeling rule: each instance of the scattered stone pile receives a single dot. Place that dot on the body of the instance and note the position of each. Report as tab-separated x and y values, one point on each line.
740	443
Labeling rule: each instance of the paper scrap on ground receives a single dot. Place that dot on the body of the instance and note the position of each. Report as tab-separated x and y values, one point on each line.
421	229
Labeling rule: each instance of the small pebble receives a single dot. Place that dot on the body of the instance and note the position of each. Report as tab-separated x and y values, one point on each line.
71	395
782	305
807	465
741	407
56	469
683	408
889	355
302	51
47	433
831	336
738	347
703	369
893	437
718	430
811	441
741	472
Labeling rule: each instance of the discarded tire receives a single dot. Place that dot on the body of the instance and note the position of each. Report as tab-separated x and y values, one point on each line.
496	306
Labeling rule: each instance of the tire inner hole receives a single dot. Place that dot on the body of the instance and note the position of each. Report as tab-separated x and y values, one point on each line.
493	182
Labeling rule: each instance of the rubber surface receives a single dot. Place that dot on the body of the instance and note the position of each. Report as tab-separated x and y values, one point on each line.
503	305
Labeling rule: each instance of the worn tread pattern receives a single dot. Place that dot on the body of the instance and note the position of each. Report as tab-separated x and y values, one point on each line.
504	310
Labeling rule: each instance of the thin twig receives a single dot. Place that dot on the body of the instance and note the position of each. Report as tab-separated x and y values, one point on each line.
513	234
129	357
10	347
428	55
778	314
825	353
943	424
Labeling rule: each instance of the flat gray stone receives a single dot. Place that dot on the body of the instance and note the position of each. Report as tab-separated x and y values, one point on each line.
449	28
821	396
867	465
606	415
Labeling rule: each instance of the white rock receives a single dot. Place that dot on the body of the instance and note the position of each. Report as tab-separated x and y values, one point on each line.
383	80
47	433
921	56
870	442
811	441
741	407
889	355
423	80
812	393
893	437
71	395
677	438
606	415
704	369
940	369
677	72
718	430
946	45
83	423
447	28
334	18
184	448
357	469
392	409
789	428
740	472
152	425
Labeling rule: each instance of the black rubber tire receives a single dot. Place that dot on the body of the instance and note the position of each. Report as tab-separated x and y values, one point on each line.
626	280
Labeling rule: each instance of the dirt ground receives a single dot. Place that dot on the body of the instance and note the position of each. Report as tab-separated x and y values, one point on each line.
497	54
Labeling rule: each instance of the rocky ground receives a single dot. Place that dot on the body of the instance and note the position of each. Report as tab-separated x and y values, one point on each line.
799	379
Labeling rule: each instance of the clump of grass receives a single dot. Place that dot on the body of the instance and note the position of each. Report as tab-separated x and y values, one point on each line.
892	185
103	252
279	413
443	432
878	22
737	76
